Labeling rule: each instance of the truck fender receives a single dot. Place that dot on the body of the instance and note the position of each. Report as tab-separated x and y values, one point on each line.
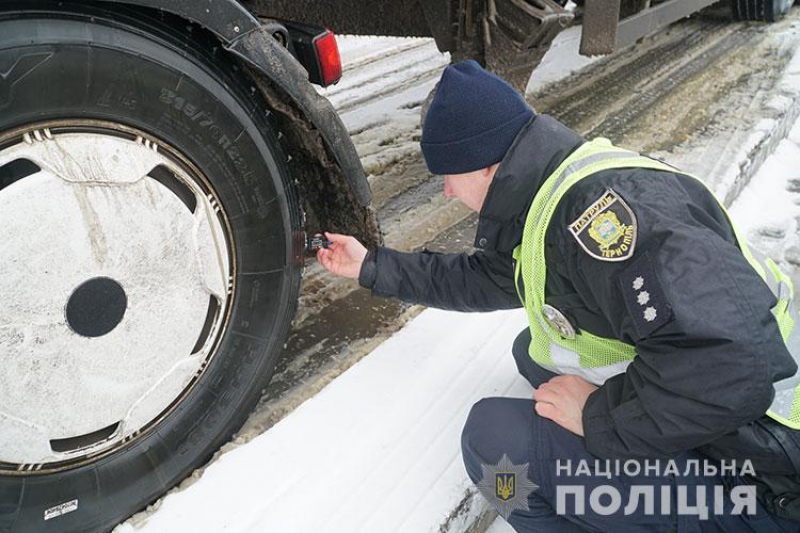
325	162
227	19
322	158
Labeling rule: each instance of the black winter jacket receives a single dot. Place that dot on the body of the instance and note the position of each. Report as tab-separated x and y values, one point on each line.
705	366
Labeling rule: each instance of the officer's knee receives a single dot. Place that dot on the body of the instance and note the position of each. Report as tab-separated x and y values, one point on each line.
496	427
474	428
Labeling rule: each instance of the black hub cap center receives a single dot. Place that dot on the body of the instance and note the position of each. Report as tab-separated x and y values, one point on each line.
96	307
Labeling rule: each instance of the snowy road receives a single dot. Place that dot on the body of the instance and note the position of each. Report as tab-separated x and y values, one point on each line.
336	465
377	449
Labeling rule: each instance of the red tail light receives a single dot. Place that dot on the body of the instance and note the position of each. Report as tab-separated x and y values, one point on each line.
330	63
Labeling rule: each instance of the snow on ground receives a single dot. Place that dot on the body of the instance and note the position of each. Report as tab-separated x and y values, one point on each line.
378	450
741	156
768	209
500	526
386	85
561	60
769	204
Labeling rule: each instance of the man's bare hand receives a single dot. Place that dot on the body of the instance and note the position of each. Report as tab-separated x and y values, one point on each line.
562	400
344	257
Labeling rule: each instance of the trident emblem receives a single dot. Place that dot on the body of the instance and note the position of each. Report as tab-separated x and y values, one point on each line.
506	484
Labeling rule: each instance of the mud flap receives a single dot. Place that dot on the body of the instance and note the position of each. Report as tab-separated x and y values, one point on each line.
517	34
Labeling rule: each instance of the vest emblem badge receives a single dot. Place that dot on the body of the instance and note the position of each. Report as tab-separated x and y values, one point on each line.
607	229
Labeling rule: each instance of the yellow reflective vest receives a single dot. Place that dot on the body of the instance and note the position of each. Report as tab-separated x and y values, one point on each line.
595	358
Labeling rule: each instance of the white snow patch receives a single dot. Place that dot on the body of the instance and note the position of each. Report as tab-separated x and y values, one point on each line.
500	526
385	79
561	61
767	210
791	80
376	450
732	165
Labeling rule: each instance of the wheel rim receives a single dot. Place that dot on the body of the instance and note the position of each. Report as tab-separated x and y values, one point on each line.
116	289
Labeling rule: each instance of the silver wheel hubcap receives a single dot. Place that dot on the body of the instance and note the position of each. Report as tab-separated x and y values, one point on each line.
114	290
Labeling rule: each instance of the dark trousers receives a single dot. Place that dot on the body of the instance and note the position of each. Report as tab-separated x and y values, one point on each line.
508	426
529	370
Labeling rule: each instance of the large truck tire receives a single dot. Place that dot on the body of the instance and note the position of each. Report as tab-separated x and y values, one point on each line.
760	10
148	280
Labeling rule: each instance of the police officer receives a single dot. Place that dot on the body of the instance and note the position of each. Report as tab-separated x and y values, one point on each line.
655	333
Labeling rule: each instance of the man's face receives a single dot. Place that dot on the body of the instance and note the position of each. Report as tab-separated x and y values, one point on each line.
471	187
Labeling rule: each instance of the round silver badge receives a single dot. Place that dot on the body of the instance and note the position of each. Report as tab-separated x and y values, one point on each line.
556	319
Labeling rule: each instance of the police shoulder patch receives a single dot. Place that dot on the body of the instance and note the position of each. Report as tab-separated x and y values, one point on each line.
607	229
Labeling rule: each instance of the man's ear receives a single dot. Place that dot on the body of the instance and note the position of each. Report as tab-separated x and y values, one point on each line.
490	170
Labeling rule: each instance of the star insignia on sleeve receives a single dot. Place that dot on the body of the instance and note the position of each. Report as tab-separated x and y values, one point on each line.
645	298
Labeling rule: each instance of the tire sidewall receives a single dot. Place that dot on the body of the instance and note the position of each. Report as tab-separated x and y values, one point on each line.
74	68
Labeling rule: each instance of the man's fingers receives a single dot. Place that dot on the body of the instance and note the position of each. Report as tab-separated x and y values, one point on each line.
546	410
337	238
544	395
328	259
554	385
323	257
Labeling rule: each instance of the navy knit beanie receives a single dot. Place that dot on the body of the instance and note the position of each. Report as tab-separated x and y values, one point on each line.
472	120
